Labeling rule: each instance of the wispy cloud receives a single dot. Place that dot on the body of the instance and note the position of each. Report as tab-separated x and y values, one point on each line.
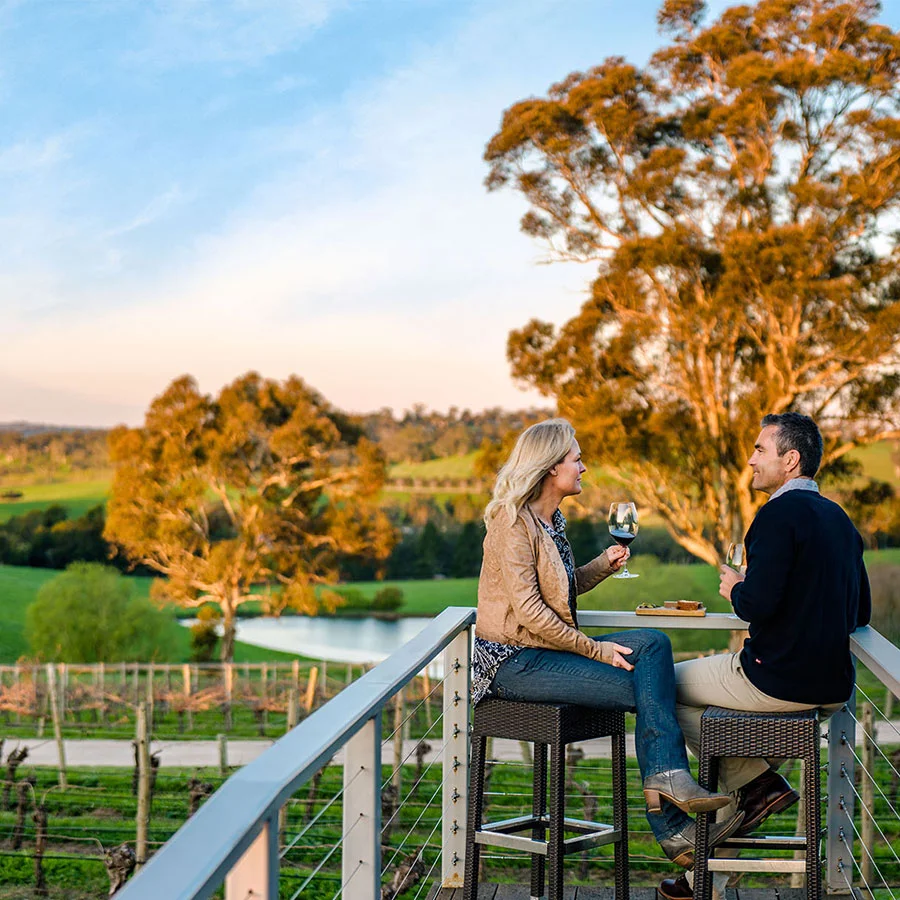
155	209
32	155
179	32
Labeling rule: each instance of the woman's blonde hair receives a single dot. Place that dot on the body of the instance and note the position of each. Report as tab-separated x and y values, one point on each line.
538	449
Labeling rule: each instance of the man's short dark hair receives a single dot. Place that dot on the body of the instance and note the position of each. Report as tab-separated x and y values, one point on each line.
800	433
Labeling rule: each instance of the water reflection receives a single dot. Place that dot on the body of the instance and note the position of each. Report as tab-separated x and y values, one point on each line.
341	640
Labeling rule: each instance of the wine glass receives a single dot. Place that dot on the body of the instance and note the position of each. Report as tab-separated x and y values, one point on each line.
623	528
737	557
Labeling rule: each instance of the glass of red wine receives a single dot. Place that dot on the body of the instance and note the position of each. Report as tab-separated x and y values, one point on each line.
623	528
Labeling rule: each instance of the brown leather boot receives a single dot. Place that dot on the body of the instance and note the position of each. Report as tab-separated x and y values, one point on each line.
766	795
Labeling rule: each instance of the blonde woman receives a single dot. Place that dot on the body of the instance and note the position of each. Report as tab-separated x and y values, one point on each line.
528	646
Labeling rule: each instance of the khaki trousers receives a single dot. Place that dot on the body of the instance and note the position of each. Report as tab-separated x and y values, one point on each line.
720	681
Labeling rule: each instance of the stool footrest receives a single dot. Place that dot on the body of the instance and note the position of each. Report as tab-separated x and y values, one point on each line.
769	842
605	834
757	865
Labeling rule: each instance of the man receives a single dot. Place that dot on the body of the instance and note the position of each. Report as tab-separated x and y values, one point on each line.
804	592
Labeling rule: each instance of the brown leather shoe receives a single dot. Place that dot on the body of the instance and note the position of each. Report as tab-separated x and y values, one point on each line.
675	889
767	794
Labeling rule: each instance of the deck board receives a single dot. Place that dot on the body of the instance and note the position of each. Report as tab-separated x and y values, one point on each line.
583	892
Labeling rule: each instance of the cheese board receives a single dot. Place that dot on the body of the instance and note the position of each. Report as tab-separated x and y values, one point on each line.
673	610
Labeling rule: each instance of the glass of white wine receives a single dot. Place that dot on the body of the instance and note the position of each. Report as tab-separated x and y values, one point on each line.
737	557
623	528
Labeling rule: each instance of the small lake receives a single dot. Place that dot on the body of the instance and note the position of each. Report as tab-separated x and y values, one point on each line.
341	640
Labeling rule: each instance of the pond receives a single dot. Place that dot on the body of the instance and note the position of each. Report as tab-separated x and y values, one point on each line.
341	640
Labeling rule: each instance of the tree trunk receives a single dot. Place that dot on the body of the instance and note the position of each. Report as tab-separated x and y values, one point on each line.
229	628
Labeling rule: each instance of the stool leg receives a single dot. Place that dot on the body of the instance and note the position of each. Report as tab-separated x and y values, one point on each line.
476	810
620	814
555	846
538	808
811	787
708	778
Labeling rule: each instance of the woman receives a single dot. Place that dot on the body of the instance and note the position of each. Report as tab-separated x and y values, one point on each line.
528	646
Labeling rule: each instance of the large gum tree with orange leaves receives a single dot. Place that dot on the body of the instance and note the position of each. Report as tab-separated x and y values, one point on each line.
251	495
738	198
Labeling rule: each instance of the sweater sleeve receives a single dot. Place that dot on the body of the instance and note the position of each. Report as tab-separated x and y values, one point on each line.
770	554
518	568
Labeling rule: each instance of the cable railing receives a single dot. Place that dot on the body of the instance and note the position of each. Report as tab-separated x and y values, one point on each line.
367	797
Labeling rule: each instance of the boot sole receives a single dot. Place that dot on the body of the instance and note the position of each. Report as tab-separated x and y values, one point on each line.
700	804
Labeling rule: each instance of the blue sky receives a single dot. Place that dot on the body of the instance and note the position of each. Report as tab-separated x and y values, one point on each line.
212	186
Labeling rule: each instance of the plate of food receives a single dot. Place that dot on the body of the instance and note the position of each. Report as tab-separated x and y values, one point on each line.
673	608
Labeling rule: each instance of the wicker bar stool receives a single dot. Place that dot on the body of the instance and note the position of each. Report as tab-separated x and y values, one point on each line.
729	732
553	725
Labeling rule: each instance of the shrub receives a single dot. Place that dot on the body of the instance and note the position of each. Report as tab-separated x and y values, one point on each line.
88	614
388	599
205	635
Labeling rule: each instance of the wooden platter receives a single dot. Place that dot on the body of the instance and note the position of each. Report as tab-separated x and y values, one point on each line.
670	611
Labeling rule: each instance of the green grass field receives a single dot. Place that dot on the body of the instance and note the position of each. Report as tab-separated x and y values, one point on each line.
461	466
19	586
77	496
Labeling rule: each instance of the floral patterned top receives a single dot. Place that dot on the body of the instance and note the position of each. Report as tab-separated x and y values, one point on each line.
488	655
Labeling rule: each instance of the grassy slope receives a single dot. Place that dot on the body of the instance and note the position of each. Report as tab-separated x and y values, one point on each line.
80	495
77	496
460	466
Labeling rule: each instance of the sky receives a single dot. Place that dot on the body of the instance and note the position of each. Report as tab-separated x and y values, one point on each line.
288	186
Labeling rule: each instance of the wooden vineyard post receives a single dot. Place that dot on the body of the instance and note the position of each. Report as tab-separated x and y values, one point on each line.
18	682
186	677
295	676
228	675
136	687
310	698
398	742
264	695
57	724
149	701
867	813
101	690
223	754
426	692
143	796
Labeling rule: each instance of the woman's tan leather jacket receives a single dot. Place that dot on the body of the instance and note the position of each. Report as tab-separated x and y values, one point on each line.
523	591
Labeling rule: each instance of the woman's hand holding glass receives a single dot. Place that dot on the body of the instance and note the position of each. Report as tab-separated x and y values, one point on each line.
617	556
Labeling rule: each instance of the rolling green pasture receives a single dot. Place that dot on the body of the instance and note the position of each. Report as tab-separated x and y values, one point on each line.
459	466
77	496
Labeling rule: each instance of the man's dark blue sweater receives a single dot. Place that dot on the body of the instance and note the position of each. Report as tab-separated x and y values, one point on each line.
805	591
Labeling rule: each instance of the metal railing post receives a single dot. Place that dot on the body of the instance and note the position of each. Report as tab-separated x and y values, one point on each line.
256	872
361	852
456	759
839	813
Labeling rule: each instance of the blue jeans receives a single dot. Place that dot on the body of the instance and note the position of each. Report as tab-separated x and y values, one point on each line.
555	676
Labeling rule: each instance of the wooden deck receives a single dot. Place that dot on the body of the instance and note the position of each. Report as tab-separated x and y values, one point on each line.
523	892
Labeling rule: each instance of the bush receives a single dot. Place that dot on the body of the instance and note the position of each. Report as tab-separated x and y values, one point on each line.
388	599
205	635
88	614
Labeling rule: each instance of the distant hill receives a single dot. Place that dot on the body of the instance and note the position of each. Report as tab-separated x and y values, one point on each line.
29	429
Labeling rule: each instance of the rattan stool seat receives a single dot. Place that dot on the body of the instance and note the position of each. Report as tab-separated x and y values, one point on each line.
795	735
554	726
